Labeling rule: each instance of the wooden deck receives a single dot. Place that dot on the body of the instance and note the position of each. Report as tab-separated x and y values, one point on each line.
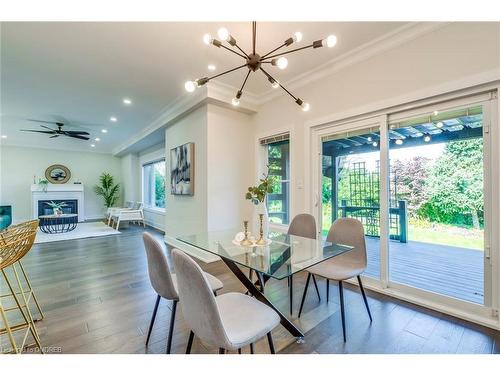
451	271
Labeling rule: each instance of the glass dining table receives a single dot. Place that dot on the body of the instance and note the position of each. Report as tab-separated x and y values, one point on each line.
283	256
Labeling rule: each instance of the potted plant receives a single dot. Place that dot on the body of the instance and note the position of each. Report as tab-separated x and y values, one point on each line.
257	195
107	189
57	207
43	184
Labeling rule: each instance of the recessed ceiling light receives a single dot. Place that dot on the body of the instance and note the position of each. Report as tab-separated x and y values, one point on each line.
104	131
92	145
113	119
211	67
4	136
127	101
97	139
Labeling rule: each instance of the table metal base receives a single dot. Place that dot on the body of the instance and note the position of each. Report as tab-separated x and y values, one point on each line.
253	290
58	225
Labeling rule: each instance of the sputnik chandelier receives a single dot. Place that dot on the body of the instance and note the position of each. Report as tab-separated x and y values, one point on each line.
254	62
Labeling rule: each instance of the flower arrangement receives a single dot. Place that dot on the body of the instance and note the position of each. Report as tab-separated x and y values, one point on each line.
257	194
57	207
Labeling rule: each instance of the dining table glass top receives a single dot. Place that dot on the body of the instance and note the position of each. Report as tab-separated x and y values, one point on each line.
283	256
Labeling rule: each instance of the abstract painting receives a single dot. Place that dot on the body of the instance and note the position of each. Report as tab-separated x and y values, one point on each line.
182	170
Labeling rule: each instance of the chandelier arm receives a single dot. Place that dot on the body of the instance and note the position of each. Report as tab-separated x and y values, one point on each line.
233	51
246	55
254	34
227	71
274	50
287	52
245	81
288	92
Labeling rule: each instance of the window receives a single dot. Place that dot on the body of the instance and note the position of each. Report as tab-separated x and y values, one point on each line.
278	160
153	188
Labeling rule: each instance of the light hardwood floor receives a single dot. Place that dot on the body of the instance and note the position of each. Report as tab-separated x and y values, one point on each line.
97	299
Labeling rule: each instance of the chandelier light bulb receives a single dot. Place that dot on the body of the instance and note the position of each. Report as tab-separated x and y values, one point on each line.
427	138
399	142
207	39
282	63
223	34
330	41
235	102
190	86
369	139
297	37
305	107
374	144
439	125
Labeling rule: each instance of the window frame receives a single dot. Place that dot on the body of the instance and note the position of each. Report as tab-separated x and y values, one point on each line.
262	161
151	163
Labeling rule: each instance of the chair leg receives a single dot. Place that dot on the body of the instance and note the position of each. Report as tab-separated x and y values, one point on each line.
316	286
118	224
190	342
327	290
155	310
271	343
342	312
222	351
290	287
251	349
364	298
304	295
239	350
171	329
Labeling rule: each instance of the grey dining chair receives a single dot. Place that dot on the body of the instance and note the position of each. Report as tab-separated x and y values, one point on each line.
347	231
165	283
303	225
229	321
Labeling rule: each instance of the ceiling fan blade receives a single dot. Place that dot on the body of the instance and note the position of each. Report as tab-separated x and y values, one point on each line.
46	122
55	136
77	136
75	132
46	127
38	131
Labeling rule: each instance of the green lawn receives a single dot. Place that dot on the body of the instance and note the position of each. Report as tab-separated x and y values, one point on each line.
441	234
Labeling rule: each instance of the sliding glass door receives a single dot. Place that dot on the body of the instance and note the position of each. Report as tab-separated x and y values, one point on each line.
351	185
419	181
437	202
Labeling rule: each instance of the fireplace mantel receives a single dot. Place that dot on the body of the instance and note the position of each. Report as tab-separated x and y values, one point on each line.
58	192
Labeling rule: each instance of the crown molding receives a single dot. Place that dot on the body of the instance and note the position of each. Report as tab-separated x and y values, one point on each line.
372	48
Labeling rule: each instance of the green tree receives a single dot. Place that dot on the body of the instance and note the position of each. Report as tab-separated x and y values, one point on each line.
455	184
409	178
160	190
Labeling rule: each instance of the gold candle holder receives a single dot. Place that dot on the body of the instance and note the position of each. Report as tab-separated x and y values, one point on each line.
245	241
261	240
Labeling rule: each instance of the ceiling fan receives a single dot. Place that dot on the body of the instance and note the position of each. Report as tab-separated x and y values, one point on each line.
59	131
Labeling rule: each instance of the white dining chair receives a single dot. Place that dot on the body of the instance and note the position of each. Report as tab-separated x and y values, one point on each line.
229	321
347	231
165	284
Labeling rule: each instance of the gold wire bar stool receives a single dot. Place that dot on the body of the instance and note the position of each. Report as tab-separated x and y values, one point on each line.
15	244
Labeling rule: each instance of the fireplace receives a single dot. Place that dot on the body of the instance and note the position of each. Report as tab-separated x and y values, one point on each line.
70	208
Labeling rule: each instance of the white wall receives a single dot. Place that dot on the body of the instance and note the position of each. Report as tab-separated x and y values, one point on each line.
188	214
230	167
446	55
153	217
131	178
18	165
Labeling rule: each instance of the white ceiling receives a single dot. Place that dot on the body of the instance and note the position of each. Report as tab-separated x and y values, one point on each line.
79	72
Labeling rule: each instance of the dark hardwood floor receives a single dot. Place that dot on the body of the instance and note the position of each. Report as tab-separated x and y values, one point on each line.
97	299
